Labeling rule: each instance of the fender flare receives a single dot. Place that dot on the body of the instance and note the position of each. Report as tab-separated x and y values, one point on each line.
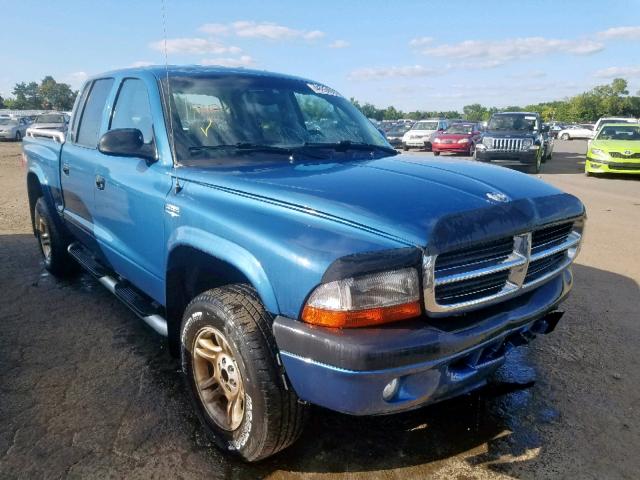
229	252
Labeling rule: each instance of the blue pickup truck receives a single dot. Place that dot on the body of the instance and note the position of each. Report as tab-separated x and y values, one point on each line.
288	254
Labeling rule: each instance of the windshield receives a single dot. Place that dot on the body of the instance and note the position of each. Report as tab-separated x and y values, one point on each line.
614	132
526	123
425	126
7	121
398	131
212	112
460	128
49	119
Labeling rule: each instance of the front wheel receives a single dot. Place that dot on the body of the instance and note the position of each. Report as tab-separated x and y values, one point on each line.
235	383
565	136
436	154
535	168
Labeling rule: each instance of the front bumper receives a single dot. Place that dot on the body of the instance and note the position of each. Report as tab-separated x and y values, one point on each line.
429	360
417	142
8	134
594	165
522	156
451	147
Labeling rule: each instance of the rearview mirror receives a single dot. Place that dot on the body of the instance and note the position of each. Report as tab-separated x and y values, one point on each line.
126	142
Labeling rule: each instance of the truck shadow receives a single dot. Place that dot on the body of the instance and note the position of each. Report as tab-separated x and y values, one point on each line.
101	395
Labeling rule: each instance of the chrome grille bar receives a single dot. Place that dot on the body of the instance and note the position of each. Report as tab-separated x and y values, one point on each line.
445	292
506	144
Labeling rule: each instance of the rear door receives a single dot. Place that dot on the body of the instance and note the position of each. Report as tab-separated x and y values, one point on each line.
79	156
130	200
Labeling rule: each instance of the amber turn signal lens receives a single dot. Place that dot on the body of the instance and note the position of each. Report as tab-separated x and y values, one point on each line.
360	318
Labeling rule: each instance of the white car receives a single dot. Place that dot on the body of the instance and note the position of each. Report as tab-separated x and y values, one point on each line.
420	134
577	131
604	120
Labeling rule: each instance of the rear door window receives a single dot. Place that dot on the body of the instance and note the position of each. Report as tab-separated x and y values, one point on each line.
91	119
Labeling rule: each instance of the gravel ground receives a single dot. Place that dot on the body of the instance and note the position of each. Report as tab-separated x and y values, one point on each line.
86	390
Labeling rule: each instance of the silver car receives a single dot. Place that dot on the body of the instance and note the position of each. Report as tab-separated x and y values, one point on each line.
13	128
51	121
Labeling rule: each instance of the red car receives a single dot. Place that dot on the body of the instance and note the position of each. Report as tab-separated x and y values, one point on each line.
457	138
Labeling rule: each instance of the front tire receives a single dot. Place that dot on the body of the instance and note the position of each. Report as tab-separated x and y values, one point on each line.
436	154
565	136
227	350
53	241
535	168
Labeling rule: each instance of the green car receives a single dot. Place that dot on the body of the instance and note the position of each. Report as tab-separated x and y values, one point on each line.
615	149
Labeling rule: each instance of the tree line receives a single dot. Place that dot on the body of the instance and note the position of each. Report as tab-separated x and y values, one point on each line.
46	95
604	100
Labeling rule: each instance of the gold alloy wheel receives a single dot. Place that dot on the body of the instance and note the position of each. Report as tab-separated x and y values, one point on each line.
218	379
44	235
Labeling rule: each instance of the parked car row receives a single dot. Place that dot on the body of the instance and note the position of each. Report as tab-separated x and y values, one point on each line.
14	127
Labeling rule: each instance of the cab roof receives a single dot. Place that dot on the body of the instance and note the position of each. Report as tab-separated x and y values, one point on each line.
160	71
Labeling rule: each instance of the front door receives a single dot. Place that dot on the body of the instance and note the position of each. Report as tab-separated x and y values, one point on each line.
130	198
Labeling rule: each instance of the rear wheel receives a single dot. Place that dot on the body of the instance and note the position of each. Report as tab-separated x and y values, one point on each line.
53	241
565	136
229	365
436	154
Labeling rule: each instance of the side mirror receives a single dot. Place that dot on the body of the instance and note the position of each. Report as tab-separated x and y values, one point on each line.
126	142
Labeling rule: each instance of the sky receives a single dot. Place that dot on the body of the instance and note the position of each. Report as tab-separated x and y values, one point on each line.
414	55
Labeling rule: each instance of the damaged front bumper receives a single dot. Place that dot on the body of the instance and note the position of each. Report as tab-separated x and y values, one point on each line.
372	371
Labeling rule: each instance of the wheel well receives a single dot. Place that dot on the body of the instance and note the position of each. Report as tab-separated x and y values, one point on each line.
189	273
34	191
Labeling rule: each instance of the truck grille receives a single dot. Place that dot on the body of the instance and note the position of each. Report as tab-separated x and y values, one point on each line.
506	144
477	276
622	155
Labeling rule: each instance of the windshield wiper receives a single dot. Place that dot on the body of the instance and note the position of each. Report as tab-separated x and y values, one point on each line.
254	147
345	145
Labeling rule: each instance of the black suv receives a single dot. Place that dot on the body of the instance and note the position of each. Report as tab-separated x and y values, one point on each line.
518	136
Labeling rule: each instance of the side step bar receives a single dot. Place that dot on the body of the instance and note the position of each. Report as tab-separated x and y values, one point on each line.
137	301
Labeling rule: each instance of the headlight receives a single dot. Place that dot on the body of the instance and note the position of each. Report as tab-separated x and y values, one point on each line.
365	300
487	142
437	140
463	140
527	142
598	152
579	227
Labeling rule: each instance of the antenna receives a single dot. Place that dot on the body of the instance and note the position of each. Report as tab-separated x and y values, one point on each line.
166	69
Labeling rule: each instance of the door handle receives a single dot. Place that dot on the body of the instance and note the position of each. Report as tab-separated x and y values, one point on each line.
65	168
100	182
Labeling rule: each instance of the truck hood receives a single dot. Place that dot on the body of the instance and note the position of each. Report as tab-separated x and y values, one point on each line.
509	134
423	202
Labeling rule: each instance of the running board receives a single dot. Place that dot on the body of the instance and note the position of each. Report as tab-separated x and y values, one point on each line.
137	301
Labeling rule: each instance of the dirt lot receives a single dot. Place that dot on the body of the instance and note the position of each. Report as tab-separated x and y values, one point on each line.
86	390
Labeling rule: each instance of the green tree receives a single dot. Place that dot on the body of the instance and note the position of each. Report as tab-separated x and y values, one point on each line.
2	102
55	96
26	96
474	112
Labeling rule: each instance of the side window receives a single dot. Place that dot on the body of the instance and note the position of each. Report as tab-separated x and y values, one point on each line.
92	114
132	108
